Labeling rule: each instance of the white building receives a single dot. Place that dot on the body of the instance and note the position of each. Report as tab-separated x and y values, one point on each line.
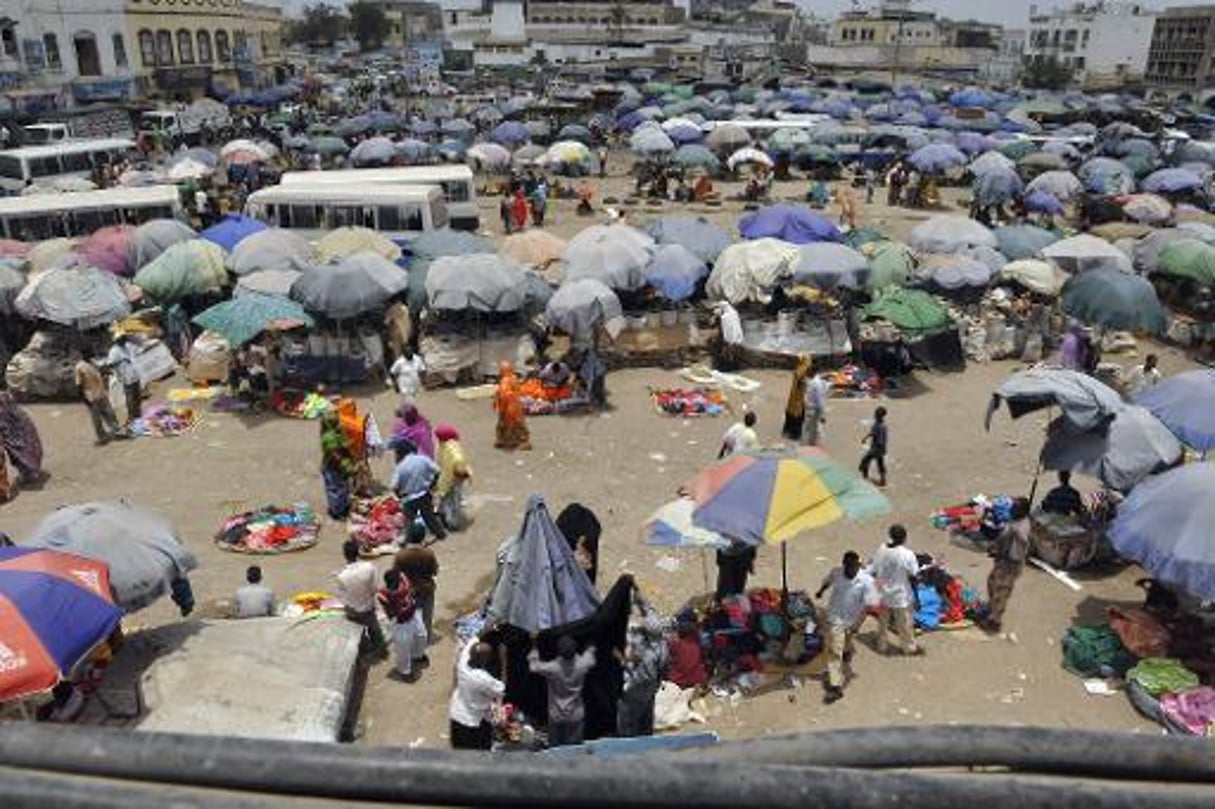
1005	66
1104	43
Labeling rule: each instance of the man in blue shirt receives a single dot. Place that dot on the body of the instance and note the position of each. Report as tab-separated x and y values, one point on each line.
413	481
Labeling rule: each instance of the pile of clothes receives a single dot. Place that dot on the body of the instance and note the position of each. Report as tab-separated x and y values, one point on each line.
296	404
162	420
698	401
945	601
270	529
981	515
311	602
376	523
855	382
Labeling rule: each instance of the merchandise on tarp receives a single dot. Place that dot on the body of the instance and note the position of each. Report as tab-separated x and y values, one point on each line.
164	420
299	404
210	356
270	529
688	402
376	523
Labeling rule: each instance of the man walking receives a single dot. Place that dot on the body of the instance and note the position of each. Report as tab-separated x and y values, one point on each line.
121	360
895	568
566	674
413	481
1010	552
93	390
419	565
817	391
877	439
741	437
356	587
852	591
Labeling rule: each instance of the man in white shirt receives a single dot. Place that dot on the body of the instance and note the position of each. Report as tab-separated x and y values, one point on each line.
121	360
356	587
817	391
1142	377
741	437
895	568
254	600
731	337
407	372
852	591
473	699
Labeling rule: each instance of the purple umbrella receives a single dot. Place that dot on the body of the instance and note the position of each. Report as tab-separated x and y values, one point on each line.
937	157
1170	181
791	223
1041	202
510	133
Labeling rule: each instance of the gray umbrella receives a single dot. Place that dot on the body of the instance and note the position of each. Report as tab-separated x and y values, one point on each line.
83	297
270	249
481	281
1134	445
578	307
267	282
1086	403
351	286
946	234
153	238
12	280
143	551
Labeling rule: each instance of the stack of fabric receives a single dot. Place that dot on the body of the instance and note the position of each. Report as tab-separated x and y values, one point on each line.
945	600
161	420
296	404
376	523
270	529
855	382
698	401
980	515
540	399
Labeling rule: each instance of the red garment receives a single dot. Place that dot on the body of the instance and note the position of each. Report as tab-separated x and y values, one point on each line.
687	666
955	609
520	208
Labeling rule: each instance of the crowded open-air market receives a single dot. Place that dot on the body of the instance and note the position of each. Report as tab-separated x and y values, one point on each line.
517	421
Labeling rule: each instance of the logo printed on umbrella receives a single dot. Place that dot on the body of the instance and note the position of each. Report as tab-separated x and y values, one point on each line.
10	660
89	579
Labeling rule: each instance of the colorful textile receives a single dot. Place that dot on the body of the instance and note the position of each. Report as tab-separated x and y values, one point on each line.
376	523
1162	675
512	432
1140	632
413	427
928	616
269	530
855	382
162	420
295	404
1192	710
19	437
685	402
1088	651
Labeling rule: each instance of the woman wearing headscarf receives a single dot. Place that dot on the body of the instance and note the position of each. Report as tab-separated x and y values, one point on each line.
338	465
795	407
512	432
354	426
519	208
413	427
454	475
21	445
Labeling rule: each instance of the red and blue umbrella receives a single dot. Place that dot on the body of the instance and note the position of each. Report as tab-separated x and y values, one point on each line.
54	609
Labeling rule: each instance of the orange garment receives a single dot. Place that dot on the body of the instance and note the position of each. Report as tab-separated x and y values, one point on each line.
512	429
535	389
354	427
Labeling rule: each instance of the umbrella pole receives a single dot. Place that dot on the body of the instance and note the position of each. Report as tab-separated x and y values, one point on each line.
704	568
784	581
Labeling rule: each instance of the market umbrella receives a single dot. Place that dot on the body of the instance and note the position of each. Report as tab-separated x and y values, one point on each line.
796	224
1062	185
449	242
991	162
328	145
1149	209
1113	299
349	286
488	156
108	248
1084	252
1122	454
937	158
695	156
579	307
567	153
55	608
997	187
459	127
748	156
377	151
269	249
672	526
510	134
1043	161
953	271
1039	201
674	271
267	282
704	238
1184	403
748	271
1037	276
910	310
1023	241
484	282
828	265
1104	175
242	318
890	264
152	238
1165	526
1085	402
534	248
49	253
1145	254
186	268
188	169
575	132
614	254
1188	258
1171	181
143	551
651	141
947	234
232	230
527	155
347	241
786	140
83	297
728	137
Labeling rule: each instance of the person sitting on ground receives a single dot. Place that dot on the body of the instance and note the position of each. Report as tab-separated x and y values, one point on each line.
1064	499
254	599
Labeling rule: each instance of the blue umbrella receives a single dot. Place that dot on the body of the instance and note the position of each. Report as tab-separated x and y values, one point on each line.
421	126
229	231
996	187
828	265
575	132
377	151
458	127
937	157
675	271
1171	181
1104	175
973	142
1023	241
954	272
1186	405
1040	201
510	133
1106	296
412	150
971	97
1165	526
792	223
702	237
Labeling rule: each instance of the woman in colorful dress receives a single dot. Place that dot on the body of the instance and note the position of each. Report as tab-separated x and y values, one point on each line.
21	447
454	475
512	432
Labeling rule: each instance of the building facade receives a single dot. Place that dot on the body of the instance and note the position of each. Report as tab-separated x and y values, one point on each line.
1182	51
1103	43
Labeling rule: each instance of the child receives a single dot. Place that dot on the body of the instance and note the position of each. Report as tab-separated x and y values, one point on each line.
876	439
408	635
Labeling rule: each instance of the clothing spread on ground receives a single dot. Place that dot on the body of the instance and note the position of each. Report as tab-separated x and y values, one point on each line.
162	420
296	404
855	382
541	399
270	529
376	523
685	402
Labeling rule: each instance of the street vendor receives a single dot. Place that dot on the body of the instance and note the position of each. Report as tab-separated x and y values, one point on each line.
1064	499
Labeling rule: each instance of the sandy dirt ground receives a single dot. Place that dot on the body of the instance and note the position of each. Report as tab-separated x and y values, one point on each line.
623	464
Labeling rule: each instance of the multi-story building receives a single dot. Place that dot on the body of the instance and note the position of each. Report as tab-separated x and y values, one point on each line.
890	22
1103	43
1005	66
1182	51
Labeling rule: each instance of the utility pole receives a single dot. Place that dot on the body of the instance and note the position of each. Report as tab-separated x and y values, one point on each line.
898	46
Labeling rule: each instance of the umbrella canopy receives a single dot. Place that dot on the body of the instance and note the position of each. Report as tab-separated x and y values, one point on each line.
1085	252
1042	162
937	158
948	234
1062	185
109	249
991	161
911	310
695	156
1172	181
267	282
527	155
350	286
232	230
890	264
143	551
1086	403
791	223
1134	445
83	297
1145	254
567	153
152	238
533	248
1040	201
1188	258
772	496
242	318
996	187
186	268
672	526
484	282
1165	526
327	145
617	255
1183	403
510	133
728	138
488	156
1023	241
651	140
269	249
448	242
829	265
377	151
1109	297
579	307
1104	175
954	271
748	270
49	253
575	132
674	271
748	156
54	610
1041	277
1149	209
704	238
348	241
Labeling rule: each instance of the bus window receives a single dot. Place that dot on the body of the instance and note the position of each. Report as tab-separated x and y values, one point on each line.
11	167
45	166
302	216
87	221
412	217
389	218
345	216
456	190
438	214
34	228
76	161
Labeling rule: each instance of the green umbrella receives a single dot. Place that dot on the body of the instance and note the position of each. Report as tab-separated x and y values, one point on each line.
1189	258
910	310
1107	296
1017	149
1140	164
858	238
890	264
327	145
186	268
816	154
242	318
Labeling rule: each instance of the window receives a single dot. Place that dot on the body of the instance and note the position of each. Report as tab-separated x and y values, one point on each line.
301	216
77	162
120	50
50	44
185	47
147	48
389	218
88	57
222	50
10	167
456	190
240	45
8	37
164	48
44	166
204	48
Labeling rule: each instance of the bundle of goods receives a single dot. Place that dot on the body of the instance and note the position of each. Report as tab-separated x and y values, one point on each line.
981	518
855	382
376	523
311	603
162	420
270	529
296	404
698	401
945	601
540	399
198	393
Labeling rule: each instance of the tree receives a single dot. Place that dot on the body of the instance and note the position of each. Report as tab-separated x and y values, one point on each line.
321	25
1046	74
368	24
